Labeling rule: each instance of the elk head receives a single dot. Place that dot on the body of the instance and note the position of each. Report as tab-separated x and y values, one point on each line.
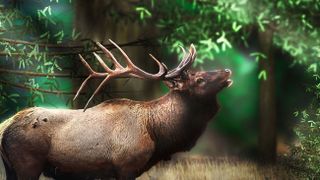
200	84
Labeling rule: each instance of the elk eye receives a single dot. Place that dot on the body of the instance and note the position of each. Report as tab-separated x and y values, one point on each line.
200	81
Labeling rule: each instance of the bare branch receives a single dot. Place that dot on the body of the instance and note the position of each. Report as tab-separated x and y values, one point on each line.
60	92
36	89
36	74
29	73
41	44
82	51
71	44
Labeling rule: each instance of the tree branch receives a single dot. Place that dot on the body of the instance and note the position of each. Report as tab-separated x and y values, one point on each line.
64	45
37	89
29	73
59	92
139	42
35	74
14	41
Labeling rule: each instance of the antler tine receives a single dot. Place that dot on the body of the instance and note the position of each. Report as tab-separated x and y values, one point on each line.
184	64
86	64
127	59
110	55
92	73
109	75
119	71
162	67
97	90
136	70
82	85
184	55
187	63
189	60
183	61
103	64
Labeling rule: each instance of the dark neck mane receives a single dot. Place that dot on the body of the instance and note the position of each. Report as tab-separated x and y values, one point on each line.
176	121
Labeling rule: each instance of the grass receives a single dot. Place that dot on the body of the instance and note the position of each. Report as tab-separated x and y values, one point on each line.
193	168
209	168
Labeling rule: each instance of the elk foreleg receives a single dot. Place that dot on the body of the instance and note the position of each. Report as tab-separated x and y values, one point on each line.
27	167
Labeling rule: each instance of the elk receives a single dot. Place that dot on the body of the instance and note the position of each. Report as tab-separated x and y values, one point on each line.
118	138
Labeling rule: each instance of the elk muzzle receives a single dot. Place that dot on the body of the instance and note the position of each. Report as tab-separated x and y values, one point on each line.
220	78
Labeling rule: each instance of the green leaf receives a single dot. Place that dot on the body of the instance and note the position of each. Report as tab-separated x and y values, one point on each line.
236	27
305	114
14	95
263	75
46	34
258	56
210	45
75	35
13	100
313	67
49	10
224	41
143	12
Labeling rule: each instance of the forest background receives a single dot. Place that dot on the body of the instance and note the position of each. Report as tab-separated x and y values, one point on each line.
272	47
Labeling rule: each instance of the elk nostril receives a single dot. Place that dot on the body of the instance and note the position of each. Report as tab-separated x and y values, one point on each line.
228	71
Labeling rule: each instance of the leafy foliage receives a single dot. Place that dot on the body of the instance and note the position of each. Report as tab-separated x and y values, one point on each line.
215	26
28	51
308	131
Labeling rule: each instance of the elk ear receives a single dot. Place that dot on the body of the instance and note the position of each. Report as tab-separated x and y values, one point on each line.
170	84
175	85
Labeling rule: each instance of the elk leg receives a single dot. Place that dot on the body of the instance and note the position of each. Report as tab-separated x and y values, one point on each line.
127	173
28	168
28	174
125	177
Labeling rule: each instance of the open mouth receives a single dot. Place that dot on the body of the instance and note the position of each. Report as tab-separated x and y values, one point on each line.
228	81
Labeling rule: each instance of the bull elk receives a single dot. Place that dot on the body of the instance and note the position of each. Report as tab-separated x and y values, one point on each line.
118	138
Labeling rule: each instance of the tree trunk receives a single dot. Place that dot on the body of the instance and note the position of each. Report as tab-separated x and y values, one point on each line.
267	133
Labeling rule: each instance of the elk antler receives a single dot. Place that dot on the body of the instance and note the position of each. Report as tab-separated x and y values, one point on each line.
184	64
119	71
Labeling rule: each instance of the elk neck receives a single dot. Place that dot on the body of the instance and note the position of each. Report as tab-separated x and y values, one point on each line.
177	119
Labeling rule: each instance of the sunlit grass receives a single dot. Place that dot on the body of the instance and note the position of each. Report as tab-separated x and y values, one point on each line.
194	168
209	168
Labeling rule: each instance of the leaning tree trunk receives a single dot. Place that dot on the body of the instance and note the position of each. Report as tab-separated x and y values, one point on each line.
267	133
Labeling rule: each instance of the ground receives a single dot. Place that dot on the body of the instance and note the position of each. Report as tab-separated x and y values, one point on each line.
199	167
193	167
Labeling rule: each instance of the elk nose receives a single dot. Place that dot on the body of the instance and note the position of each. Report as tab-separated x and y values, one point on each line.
228	71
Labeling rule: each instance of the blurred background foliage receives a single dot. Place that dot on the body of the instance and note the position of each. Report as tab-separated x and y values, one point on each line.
40	40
